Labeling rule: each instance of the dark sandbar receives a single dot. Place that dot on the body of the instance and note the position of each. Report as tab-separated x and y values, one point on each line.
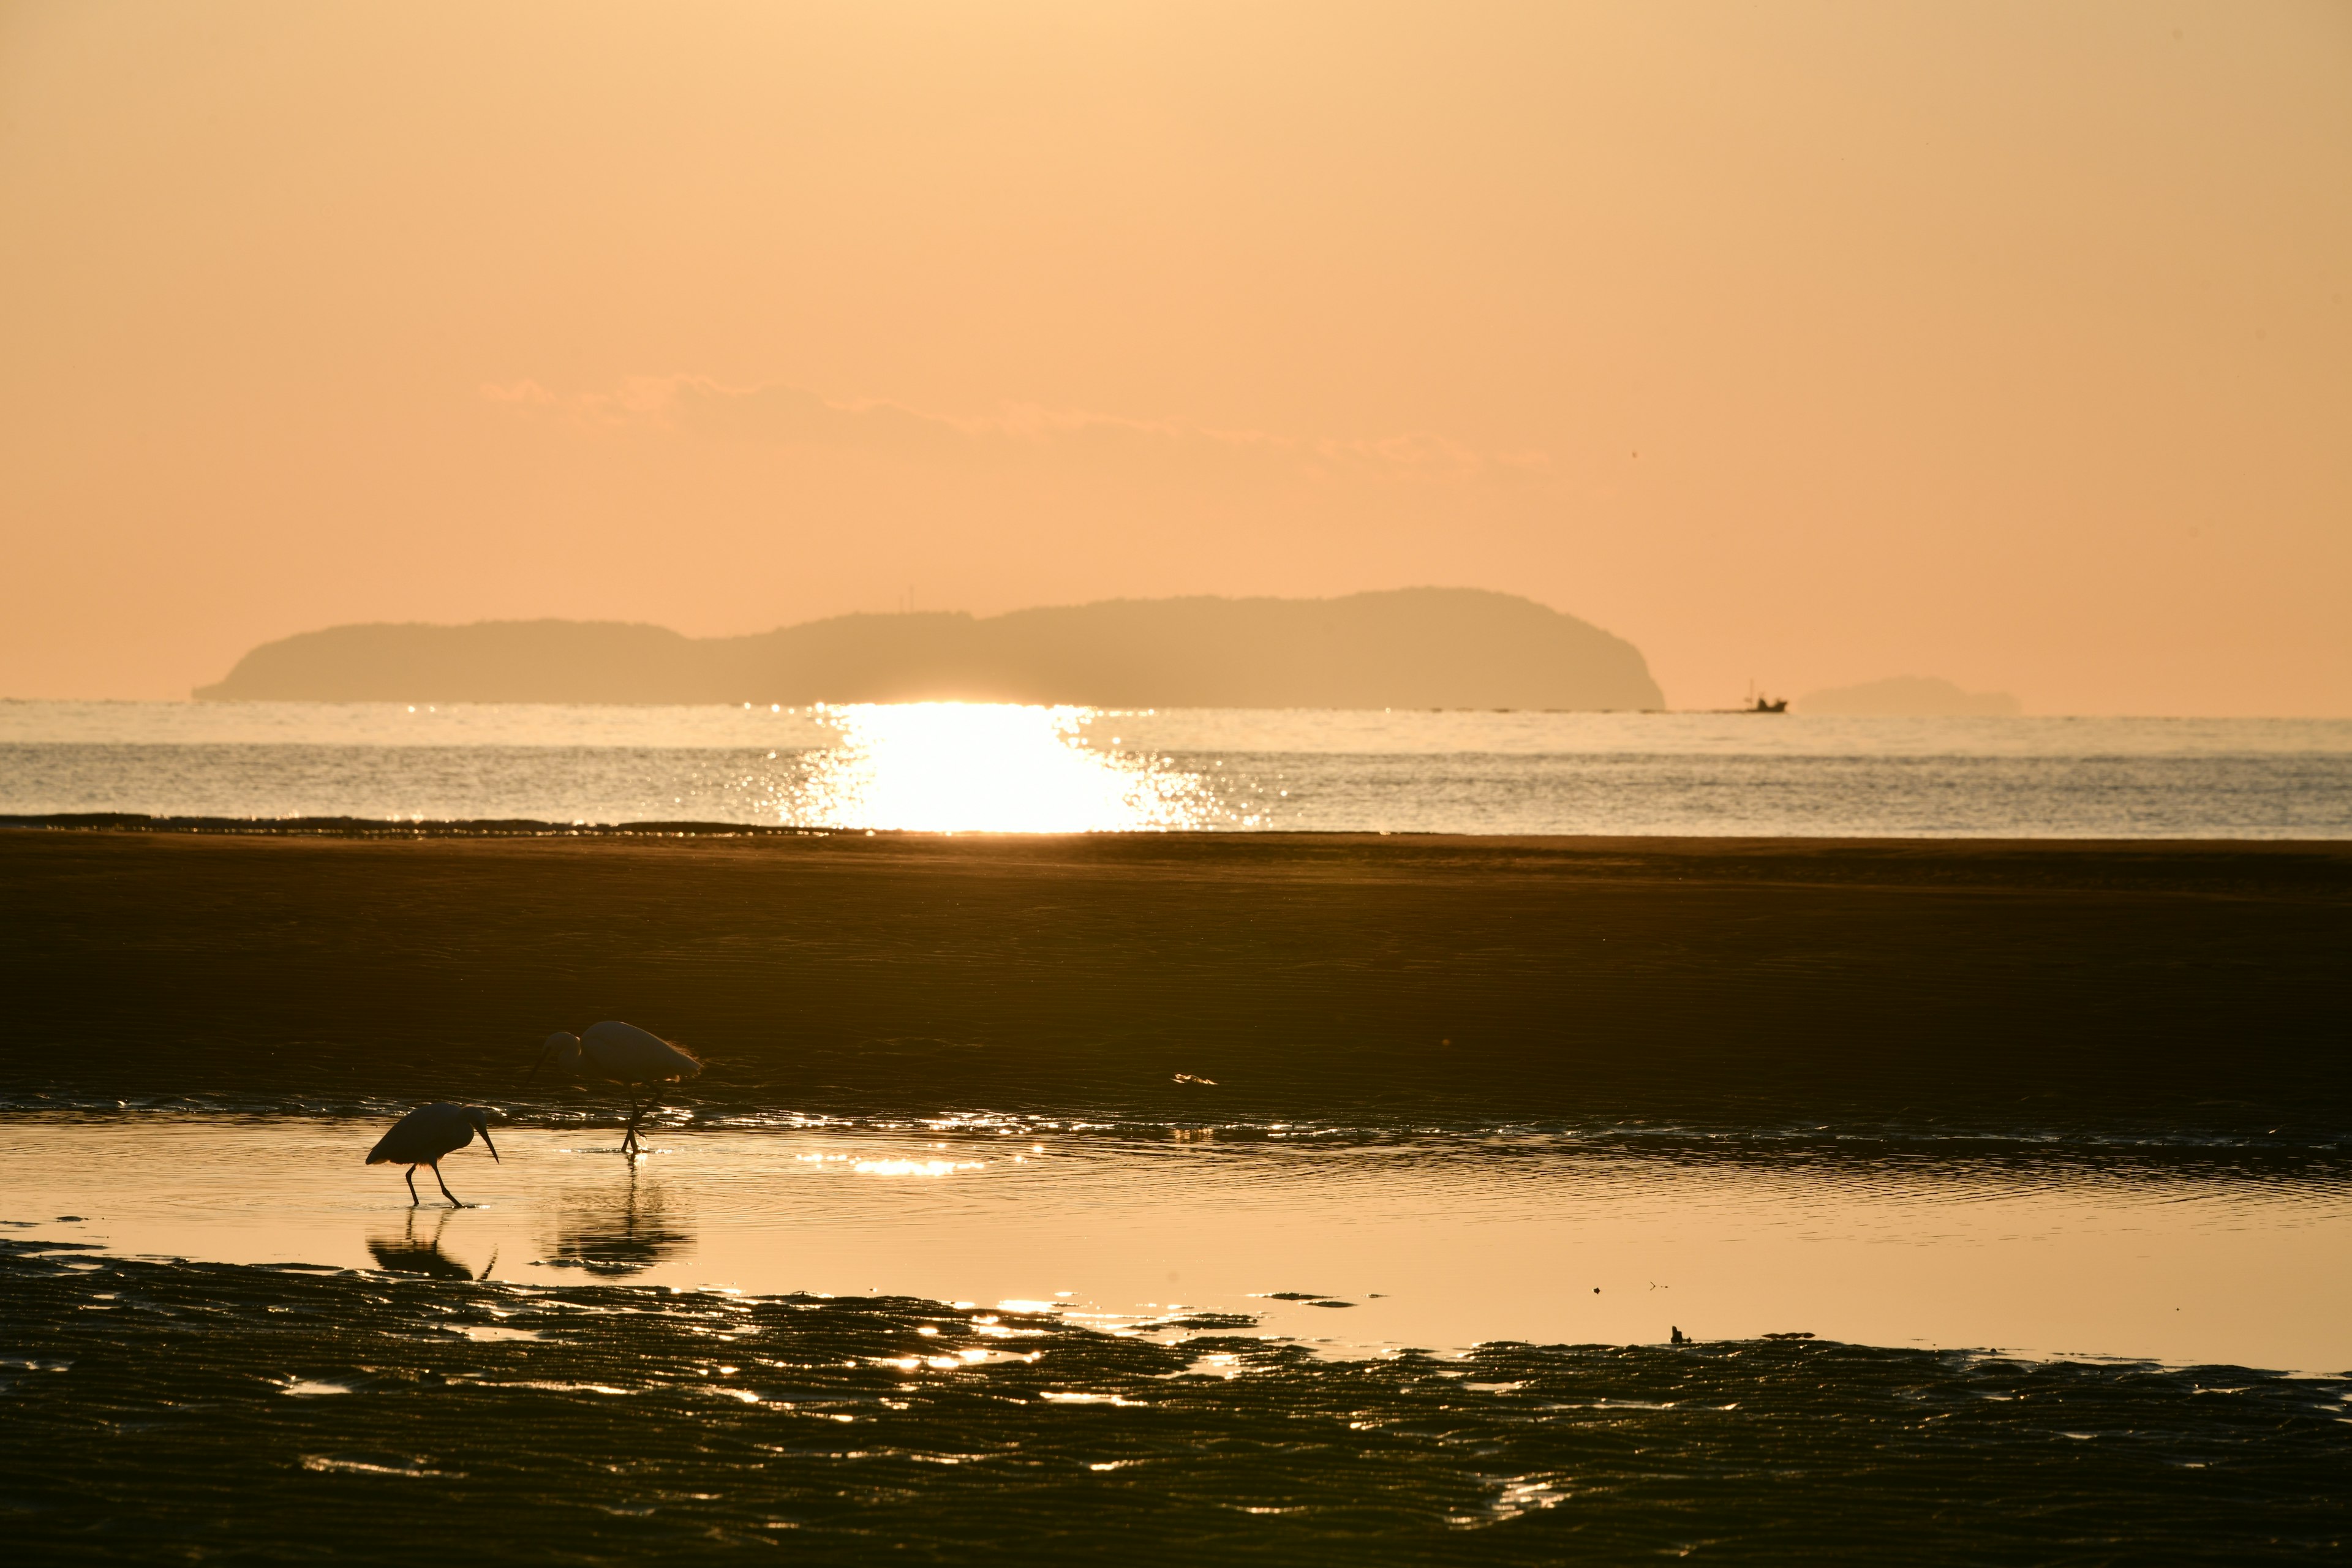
1923	985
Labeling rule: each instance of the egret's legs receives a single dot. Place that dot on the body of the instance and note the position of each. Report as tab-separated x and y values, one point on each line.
444	1186
413	1199
630	1145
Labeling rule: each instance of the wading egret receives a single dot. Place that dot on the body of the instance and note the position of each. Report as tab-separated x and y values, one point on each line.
622	1054
424	1135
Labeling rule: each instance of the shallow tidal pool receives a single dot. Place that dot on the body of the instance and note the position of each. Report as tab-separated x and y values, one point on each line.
1355	1249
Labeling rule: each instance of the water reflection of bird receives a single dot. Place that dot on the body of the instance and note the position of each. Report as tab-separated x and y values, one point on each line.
409	1253
622	1054
624	1240
427	1133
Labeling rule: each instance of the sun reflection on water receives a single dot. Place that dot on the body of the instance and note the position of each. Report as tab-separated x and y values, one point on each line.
975	767
914	1167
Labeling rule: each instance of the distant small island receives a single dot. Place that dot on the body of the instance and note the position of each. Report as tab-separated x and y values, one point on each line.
1914	696
1412	647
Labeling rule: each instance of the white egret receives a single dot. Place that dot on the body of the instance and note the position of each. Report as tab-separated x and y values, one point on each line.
622	1054
424	1135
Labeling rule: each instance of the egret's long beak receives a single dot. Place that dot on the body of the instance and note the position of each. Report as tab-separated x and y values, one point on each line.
493	1148
538	1063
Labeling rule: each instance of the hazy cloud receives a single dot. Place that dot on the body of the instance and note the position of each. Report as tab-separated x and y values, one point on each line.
795	416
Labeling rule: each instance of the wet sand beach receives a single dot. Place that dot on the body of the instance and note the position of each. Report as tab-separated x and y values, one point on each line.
1289	1198
2007	989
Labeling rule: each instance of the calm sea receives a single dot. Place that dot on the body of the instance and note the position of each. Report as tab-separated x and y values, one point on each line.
975	767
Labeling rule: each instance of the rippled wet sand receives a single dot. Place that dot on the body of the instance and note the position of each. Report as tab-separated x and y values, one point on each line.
1439	1244
189	1411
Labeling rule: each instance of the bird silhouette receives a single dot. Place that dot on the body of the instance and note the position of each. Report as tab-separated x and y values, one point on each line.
427	1133
622	1054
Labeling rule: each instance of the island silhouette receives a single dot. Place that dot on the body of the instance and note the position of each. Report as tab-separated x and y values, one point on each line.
1411	647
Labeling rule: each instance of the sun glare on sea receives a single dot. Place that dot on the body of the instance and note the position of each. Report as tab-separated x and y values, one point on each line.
975	767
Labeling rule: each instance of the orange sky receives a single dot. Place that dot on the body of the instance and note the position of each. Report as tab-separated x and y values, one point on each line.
2007	342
